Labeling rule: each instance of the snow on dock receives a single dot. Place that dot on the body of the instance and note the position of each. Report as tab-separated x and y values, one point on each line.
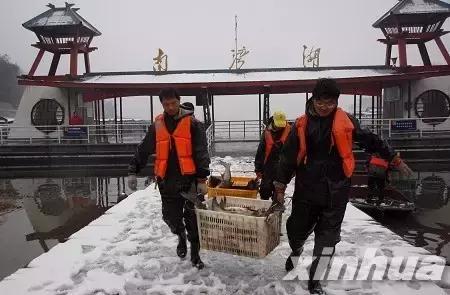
129	250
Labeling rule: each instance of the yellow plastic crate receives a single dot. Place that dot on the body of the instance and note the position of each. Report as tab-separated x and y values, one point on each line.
238	234
239	181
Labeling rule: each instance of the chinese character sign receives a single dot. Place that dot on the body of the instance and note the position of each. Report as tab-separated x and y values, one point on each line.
160	61
310	57
238	57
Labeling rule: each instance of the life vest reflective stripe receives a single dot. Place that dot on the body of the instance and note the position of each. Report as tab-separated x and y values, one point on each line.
342	137
270	142
301	133
379	162
181	137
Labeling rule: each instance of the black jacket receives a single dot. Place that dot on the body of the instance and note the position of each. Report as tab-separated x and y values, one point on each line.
322	180
174	182
269	168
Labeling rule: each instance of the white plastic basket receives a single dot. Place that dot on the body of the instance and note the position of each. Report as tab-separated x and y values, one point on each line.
239	234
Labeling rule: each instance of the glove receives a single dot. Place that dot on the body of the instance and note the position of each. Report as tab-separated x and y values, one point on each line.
404	169
201	186
280	188
132	182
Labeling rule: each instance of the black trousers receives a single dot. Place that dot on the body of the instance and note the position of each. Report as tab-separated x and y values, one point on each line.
266	188
179	214
376	187
326	222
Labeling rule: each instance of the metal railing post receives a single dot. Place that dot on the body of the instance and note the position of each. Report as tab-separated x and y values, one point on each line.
87	133
244	129
420	129
116	128
389	123
229	130
59	134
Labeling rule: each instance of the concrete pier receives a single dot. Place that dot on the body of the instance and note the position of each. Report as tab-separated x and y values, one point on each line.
130	250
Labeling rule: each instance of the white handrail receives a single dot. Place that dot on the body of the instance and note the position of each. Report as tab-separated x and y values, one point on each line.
241	130
62	134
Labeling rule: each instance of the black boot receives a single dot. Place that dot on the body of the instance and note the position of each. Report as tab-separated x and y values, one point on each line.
371	200
380	200
195	257
289	263
182	247
314	287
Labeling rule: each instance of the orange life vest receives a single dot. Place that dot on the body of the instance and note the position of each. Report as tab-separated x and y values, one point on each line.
181	136
342	137
270	142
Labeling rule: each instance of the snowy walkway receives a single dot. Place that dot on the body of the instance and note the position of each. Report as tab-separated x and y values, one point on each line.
129	250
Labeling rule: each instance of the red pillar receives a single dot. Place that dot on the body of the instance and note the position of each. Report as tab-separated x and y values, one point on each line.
442	49
424	54
74	60
87	63
388	54
402	52
55	62
36	62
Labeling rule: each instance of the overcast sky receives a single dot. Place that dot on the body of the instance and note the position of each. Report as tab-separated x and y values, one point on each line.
199	34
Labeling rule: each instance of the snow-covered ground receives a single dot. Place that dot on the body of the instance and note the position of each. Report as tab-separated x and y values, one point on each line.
130	250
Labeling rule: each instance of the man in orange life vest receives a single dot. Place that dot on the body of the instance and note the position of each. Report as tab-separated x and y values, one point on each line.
267	155
319	151
181	165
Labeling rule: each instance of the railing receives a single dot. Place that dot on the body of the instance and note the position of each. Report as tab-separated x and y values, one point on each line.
91	134
219	131
387	128
408	127
110	133
249	130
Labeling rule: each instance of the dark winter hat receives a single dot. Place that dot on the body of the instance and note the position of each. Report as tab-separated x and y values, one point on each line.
326	87
188	106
